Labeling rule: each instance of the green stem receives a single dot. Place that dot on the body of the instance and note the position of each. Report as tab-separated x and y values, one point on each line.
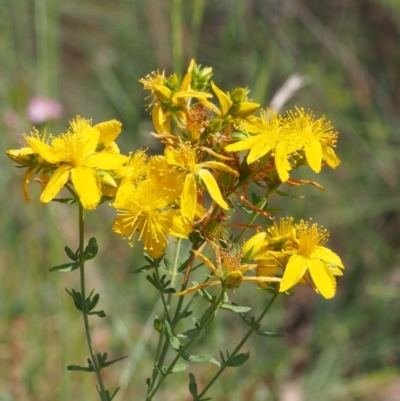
260	205
166	307
102	392
176	34
239	346
184	347
162	346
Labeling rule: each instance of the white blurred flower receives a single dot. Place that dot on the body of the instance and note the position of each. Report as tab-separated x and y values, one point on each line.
287	90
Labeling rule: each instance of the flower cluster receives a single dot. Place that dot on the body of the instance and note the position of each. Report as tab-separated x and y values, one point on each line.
217	159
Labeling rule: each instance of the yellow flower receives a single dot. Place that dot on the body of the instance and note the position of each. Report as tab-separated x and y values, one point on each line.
312	257
229	271
184	158
170	96
236	105
269	135
317	136
74	154
29	158
144	208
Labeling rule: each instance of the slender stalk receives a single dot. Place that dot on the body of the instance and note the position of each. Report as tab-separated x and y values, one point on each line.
176	28
239	346
182	350
102	392
163	345
165	304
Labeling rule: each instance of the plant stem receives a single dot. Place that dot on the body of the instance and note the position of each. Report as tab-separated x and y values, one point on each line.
205	322
163	344
239	346
102	392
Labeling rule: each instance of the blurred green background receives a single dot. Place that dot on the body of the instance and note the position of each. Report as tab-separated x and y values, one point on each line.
89	56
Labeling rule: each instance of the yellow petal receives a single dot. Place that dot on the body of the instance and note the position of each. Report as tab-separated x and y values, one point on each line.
106	161
189	198
330	156
254	245
294	272
161	119
121	226
174	224
212	188
219	166
187	79
313	152
245	144
55	184
90	139
224	100
260	148
109	130
46	151
281	161
246	109
323	278
21	156
87	185
327	256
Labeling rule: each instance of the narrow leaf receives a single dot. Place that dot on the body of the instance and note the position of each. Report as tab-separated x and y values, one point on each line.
115	393
68	201
174	341
79	368
269	334
180	367
238	360
235	308
94	302
193	386
67	267
289	195
91	249
197	358
70	254
113	361
100	313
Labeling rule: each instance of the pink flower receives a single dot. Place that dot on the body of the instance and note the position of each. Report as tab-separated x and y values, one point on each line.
42	109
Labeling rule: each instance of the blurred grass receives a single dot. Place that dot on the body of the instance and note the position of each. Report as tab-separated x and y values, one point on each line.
90	55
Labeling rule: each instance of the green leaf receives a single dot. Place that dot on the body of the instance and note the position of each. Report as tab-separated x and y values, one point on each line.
67	267
269	334
180	367
238	360
184	315
94	302
76	368
77	297
143	269
100	313
113	361
91	249
289	195
169	291
115	393
235	308
173	340
71	254
197	358
191	333
68	201
193	386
